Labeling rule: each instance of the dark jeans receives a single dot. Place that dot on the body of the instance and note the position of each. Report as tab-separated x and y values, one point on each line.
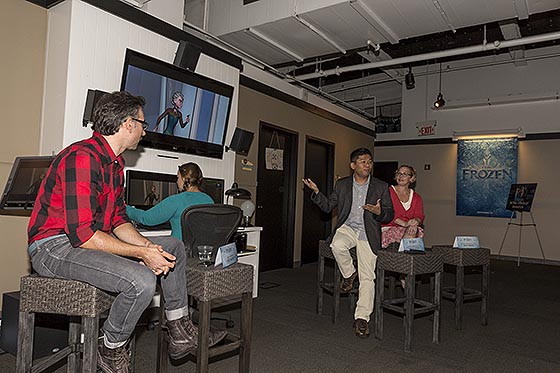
133	282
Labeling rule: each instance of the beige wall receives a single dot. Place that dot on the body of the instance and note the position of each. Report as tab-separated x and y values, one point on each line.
255	107
23	28
538	162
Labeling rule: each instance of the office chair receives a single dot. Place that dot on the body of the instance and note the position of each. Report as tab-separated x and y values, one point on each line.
210	224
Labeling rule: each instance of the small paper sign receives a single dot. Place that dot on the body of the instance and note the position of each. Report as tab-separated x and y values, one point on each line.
466	242
414	244
227	255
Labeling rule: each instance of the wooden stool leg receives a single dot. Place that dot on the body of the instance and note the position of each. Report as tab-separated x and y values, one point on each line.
484	301
320	279
459	288
162	359
409	311
25	342
90	328
392	287
74	335
204	308
378	309
336	292
437	302
132	349
246	330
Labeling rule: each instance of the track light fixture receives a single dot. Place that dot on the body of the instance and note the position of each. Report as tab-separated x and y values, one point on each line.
439	102
409	79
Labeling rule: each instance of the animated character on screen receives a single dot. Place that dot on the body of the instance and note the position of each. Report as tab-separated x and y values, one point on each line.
174	115
152	196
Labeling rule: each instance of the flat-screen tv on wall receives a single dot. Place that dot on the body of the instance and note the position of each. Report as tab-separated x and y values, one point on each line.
186	112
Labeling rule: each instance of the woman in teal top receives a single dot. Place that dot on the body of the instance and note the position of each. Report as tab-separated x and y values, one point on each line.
170	209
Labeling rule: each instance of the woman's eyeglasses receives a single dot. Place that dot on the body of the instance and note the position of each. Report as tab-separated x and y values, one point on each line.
403	174
144	124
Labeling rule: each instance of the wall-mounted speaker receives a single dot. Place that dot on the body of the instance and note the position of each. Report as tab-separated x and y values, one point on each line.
93	95
241	141
187	55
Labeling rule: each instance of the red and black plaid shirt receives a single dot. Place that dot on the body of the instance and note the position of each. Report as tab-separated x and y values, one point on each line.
81	193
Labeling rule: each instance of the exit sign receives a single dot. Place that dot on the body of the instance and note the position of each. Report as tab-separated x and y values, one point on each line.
427	128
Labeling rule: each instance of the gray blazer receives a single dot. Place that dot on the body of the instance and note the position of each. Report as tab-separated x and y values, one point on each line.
341	197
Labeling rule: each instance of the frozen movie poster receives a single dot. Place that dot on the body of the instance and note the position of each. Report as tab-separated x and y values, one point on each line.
486	168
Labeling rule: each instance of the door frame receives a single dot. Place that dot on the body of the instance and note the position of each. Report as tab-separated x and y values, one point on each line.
330	180
292	185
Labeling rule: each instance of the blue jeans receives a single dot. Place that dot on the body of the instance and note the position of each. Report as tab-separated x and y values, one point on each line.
133	282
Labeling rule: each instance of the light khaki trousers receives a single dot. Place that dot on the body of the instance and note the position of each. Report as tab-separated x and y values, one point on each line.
344	239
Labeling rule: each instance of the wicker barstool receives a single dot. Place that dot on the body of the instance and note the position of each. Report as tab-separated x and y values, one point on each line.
63	297
206	284
461	258
325	252
410	265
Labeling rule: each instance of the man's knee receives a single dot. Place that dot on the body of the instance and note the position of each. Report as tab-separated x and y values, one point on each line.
143	284
173	246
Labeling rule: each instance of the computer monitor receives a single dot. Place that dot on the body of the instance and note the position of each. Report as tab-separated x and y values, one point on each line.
146	189
23	184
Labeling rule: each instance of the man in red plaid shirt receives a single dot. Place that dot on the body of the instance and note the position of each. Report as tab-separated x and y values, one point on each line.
79	230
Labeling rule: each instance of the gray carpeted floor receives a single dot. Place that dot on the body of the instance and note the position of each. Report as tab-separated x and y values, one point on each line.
288	336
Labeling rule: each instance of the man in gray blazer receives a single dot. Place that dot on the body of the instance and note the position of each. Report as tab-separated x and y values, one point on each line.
364	203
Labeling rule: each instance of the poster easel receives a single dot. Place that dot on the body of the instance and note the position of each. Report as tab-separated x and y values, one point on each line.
520	200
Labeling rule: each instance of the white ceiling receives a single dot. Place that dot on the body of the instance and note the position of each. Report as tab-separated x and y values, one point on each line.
287	34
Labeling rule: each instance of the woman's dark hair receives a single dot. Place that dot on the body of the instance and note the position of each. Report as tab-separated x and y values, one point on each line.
113	109
191	174
358	152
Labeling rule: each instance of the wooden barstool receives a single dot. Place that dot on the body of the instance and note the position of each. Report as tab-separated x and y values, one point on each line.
461	258
206	284
62	297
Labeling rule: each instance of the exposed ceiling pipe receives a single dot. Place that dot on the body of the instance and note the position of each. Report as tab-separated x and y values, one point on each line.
437	55
203	34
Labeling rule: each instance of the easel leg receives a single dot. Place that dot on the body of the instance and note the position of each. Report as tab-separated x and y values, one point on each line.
505	234
519	243
537	233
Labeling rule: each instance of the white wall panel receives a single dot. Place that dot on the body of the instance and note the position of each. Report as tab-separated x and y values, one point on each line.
491	81
55	78
93	58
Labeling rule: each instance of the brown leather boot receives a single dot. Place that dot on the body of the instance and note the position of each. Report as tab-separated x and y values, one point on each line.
181	341
214	336
113	360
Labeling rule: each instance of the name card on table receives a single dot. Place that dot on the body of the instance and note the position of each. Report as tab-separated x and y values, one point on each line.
226	255
466	242
411	244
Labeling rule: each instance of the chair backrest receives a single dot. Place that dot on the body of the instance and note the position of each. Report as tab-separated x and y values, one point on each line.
209	224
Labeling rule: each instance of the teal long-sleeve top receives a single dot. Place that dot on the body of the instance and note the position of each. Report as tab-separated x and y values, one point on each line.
170	210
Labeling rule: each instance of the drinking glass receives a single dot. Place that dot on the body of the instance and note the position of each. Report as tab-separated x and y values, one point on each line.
205	254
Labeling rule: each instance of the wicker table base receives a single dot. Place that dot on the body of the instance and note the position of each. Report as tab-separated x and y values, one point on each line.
410	265
461	258
206	284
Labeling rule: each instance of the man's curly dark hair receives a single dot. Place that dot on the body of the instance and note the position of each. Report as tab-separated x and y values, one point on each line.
113	109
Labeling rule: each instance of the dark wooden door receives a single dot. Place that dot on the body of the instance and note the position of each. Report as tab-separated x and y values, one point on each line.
276	199
316	225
